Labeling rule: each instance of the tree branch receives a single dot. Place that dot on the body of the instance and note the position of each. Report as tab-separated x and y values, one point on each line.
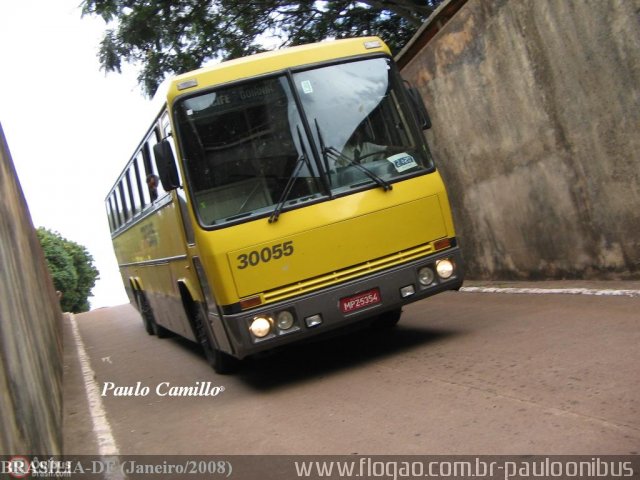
406	13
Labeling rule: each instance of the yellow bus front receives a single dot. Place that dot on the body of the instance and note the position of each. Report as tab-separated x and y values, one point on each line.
314	197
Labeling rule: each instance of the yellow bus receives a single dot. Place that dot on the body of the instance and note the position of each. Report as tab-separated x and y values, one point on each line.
297	196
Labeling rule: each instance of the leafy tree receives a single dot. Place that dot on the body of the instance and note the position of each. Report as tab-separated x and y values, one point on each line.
174	36
71	268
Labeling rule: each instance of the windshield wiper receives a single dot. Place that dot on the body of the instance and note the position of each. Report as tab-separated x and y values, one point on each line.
332	152
386	186
300	162
323	149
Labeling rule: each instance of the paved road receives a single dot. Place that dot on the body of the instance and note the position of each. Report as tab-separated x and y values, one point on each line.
463	373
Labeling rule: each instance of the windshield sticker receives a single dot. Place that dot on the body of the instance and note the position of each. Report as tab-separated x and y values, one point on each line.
306	86
402	162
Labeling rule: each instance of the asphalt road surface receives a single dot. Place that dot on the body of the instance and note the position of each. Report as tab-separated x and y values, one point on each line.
462	373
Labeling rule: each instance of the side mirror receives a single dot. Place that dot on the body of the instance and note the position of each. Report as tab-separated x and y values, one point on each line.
166	163
420	108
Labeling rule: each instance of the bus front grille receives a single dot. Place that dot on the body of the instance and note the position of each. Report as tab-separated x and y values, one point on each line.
346	274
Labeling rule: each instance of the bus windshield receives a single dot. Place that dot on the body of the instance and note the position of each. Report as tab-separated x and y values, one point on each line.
360	120
247	151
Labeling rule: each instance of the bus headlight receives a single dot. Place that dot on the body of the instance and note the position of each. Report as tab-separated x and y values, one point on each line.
284	320
261	326
445	268
426	276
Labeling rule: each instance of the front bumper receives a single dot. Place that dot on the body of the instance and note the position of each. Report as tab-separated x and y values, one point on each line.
326	303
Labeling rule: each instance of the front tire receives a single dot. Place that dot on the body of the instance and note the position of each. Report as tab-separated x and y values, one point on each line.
221	362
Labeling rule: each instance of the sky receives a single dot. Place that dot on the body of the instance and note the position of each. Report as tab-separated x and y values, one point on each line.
70	128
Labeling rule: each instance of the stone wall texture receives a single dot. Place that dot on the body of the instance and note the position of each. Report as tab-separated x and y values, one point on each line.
30	330
536	129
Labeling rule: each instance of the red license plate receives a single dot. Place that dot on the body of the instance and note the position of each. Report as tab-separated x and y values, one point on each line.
361	300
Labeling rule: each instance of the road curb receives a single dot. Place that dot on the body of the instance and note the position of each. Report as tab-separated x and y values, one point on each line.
554	291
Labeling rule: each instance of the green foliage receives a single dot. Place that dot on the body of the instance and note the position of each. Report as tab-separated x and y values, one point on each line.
71	268
174	36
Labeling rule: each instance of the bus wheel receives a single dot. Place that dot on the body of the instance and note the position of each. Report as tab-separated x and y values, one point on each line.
388	319
145	312
150	324
221	362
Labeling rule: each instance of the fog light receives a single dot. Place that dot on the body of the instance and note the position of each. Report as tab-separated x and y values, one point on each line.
407	291
261	326
313	320
426	276
445	268
284	320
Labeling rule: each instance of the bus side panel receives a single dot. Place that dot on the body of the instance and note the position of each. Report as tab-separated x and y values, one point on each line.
153	250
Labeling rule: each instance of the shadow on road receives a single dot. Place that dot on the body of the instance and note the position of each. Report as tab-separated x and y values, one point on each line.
325	355
312	360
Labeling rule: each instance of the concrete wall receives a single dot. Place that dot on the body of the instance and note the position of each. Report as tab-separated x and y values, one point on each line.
30	330
536	113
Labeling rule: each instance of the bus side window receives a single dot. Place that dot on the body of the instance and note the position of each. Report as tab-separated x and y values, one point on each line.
135	193
116	209
111	215
141	179
168	135
127	189
124	197
165	125
154	168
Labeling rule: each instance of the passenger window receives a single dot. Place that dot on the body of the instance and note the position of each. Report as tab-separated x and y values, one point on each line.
111	215
127	190
124	197
138	164
167	134
165	125
154	168
117	210
135	193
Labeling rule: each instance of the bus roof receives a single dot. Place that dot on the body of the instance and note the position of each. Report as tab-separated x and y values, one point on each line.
267	62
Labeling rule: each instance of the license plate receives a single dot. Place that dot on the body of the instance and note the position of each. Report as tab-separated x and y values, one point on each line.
361	300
